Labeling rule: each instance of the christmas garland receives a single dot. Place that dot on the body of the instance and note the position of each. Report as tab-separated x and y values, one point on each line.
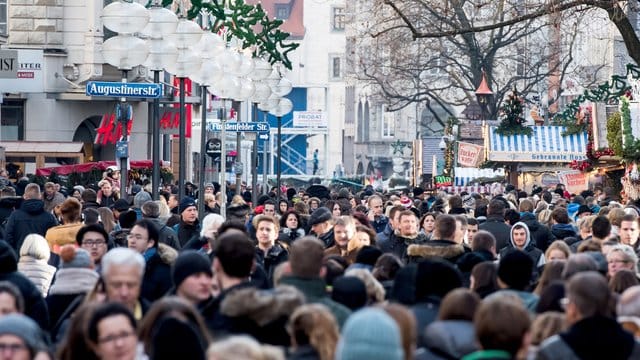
631	146
592	154
612	89
249	23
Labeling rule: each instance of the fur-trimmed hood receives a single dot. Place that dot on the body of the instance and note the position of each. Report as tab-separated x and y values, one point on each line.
436	248
167	253
262	306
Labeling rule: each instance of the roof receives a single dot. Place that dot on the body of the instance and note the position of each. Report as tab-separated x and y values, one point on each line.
546	144
294	25
41	147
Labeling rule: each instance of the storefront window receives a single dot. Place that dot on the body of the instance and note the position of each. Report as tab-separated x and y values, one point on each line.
12	120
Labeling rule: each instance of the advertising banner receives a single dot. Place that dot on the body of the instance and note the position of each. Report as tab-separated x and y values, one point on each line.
470	155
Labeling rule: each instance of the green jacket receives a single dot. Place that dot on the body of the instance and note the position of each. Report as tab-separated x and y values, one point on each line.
314	291
488	355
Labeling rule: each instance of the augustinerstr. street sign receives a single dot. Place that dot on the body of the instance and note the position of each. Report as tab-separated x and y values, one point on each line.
120	89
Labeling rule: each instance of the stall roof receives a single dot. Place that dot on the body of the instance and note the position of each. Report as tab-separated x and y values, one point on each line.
41	146
545	145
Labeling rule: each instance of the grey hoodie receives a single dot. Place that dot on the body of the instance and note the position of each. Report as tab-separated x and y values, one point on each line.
528	247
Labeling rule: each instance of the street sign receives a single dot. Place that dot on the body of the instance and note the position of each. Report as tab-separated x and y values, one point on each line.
257	127
8	64
120	89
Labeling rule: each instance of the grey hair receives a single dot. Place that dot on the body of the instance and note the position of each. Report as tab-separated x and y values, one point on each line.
628	253
210	220
122	257
150	209
36	246
629	303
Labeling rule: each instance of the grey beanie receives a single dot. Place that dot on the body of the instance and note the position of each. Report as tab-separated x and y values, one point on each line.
25	328
370	334
141	198
75	258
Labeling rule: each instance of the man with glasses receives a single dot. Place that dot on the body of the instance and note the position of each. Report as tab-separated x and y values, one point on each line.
592	332
93	238
143	238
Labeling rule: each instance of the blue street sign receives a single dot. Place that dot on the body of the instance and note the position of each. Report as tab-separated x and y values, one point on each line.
257	127
119	89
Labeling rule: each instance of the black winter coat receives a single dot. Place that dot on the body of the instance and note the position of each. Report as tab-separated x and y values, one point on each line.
186	232
502	232
275	256
29	219
157	278
540	233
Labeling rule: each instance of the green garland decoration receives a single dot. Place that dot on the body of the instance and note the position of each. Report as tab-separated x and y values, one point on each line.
614	133
631	146
512	122
609	90
249	23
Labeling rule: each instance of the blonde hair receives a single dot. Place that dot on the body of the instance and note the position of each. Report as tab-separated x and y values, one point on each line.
313	323
375	291
242	347
237	200
558	245
546	325
36	246
544	216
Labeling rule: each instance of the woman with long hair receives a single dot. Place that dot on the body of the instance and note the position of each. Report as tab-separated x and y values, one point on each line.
291	227
428	223
107	219
314	332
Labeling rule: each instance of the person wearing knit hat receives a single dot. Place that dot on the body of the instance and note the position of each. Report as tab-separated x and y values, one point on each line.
370	334
74	278
406	202
189	225
24	334
191	275
321	225
514	276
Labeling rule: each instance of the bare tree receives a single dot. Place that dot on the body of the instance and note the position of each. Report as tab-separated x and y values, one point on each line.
442	67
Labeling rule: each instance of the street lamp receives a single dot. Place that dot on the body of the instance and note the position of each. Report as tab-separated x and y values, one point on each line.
124	51
484	95
209	48
187	34
162	22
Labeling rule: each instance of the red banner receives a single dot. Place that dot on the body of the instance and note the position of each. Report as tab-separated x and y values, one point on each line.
188	85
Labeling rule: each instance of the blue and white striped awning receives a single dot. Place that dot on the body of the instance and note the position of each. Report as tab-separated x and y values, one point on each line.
466	176
545	144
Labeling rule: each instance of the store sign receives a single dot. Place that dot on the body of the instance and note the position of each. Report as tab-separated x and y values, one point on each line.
469	155
21	71
574	182
110	130
512	156
442	180
309	119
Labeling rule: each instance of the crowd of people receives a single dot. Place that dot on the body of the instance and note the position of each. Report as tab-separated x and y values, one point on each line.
91	274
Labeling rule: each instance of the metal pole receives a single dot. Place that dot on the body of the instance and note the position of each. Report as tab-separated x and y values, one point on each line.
254	160
182	158
223	161
203	155
279	163
265	159
238	155
155	175
124	114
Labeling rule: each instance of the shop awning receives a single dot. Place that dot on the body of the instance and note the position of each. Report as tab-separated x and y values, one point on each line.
546	144
466	176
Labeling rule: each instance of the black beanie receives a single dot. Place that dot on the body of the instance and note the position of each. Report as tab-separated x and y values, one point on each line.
349	291
515	269
186	203
188	263
368	255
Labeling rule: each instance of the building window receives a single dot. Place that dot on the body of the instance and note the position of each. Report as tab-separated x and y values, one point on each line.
283	11
338	18
335	67
388	123
3	17
12	115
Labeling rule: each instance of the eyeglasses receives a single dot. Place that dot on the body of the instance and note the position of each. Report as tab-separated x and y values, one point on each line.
91	243
116	337
135	236
615	261
564	302
13	348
